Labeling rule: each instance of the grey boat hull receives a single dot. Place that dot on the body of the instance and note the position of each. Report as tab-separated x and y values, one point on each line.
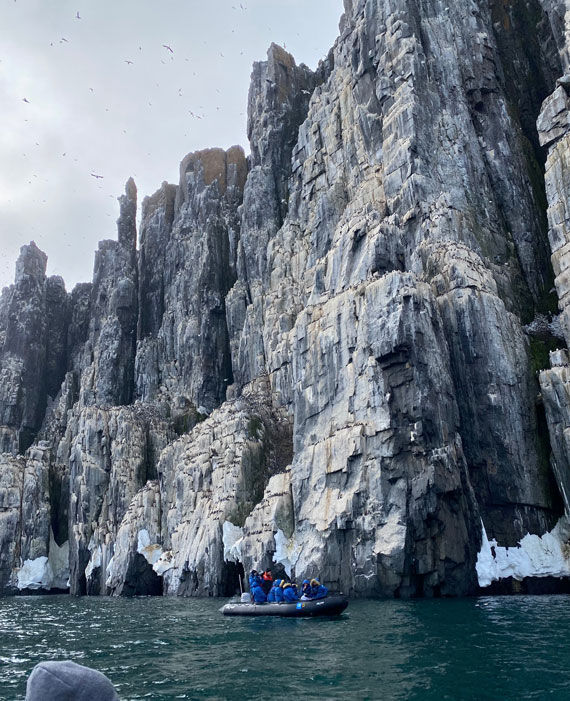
329	606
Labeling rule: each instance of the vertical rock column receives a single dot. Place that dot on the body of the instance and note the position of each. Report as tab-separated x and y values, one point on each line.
109	379
278	103
187	235
554	131
92	448
33	330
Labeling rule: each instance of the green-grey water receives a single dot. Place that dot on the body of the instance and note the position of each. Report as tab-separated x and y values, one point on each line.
481	648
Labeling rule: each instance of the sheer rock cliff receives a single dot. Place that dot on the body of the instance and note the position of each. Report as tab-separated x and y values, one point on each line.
342	355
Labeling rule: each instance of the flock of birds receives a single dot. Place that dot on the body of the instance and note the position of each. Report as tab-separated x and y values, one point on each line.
37	179
130	62
138	58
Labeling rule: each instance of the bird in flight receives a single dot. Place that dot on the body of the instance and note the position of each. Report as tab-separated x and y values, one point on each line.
25	99
129	62
77	16
94	175
168	47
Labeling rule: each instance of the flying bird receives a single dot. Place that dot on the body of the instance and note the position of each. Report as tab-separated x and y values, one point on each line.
25	99
63	39
168	47
94	175
129	62
78	16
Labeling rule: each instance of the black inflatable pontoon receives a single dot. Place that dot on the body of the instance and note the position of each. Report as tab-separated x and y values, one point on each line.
329	606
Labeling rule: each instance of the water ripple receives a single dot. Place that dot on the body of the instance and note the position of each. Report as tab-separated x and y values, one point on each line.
508	648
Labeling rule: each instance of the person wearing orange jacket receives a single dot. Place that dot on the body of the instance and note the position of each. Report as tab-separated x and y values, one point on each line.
267	581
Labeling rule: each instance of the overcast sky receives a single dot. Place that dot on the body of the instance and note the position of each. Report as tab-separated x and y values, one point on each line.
119	88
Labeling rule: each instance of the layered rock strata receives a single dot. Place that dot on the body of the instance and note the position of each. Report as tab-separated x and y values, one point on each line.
322	357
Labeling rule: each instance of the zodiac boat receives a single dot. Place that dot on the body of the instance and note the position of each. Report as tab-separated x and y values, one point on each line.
329	606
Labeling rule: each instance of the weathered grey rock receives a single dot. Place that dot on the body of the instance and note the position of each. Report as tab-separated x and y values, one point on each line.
400	147
216	473
554	132
555	386
136	549
33	322
11	480
545	328
183	352
322	358
496	395
376	454
111	454
108	378
557	11
30	557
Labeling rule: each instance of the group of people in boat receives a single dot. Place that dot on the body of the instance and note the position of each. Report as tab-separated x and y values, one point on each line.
263	588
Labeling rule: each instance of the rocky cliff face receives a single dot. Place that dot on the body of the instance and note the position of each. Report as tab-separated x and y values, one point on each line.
324	357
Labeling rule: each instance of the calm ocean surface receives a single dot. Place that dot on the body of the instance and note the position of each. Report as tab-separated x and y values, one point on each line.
485	648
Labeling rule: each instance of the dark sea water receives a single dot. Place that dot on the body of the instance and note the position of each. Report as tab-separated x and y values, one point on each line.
485	648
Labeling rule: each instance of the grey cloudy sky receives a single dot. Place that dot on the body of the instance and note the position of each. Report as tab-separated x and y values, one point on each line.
89	87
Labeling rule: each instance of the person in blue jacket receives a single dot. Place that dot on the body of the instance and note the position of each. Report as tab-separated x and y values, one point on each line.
318	590
272	596
258	595
279	592
306	588
289	594
254	579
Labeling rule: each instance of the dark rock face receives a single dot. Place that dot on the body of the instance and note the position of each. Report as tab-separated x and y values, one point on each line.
113	314
183	355
322	357
34	319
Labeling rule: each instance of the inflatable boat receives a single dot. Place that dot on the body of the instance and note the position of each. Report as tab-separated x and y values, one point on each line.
329	606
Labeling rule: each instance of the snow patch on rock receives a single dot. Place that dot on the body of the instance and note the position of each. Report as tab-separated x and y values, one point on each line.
46	572
34	574
58	561
152	552
110	571
164	563
232	537
535	556
94	560
286	551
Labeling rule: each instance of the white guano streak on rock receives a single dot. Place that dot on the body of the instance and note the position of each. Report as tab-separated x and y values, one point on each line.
535	556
